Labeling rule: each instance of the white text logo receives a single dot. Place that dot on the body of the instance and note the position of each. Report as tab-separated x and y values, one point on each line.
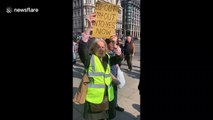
28	9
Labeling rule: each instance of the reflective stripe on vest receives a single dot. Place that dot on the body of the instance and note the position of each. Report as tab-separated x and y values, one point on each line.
97	86
91	74
100	81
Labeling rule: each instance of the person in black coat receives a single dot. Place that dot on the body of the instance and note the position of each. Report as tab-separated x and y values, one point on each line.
129	51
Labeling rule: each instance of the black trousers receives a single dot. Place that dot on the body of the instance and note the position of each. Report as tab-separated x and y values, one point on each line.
129	61
113	103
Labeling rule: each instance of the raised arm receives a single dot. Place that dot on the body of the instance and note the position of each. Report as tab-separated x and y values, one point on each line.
86	34
84	44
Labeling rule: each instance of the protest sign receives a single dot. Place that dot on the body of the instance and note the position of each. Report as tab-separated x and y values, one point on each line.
106	18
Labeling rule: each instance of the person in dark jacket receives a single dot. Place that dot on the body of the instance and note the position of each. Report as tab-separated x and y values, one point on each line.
129	52
87	47
111	43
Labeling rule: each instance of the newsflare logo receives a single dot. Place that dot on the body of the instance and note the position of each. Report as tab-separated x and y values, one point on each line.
28	9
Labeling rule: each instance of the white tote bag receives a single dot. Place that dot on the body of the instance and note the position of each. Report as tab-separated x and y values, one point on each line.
120	77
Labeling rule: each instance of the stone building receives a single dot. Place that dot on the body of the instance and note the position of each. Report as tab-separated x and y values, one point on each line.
131	17
82	8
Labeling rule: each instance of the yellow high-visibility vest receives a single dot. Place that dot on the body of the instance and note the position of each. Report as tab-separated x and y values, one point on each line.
99	80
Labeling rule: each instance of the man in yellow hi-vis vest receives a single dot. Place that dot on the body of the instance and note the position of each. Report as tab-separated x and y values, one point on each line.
97	64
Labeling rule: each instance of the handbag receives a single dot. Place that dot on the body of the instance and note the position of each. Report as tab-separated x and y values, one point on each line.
100	107
80	95
120	77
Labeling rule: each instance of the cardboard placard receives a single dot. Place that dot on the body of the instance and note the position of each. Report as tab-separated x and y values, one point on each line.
106	18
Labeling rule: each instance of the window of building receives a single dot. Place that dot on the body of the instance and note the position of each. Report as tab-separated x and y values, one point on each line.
128	21
86	11
128	26
79	23
76	3
128	17
88	1
73	4
74	23
129	7
79	12
90	10
79	3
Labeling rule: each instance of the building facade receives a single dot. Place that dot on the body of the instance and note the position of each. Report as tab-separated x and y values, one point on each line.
82	8
131	17
77	16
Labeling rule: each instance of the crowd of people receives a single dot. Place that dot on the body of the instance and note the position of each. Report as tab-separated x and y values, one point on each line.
125	43
101	59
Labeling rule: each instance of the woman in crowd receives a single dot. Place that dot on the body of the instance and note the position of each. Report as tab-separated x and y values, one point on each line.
93	53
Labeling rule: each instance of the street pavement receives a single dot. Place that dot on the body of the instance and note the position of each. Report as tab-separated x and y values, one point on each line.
128	96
